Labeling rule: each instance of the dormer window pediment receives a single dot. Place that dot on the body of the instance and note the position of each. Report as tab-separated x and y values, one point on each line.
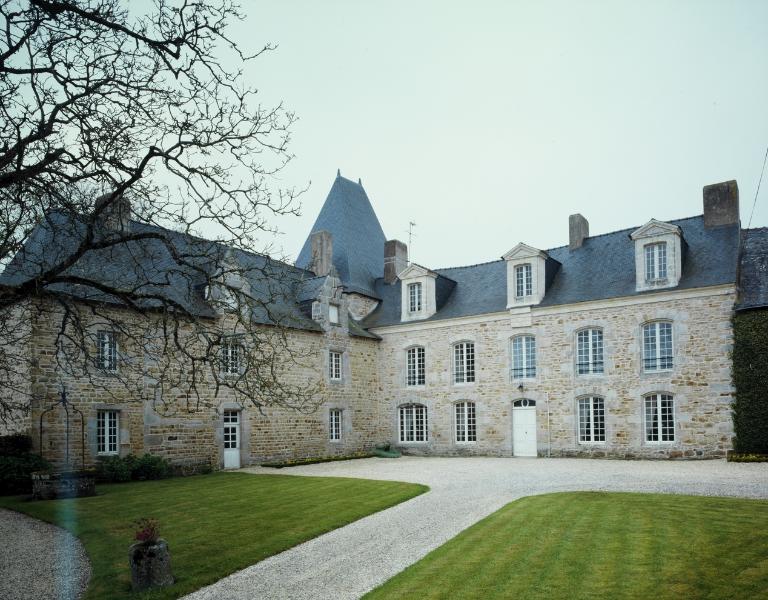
658	255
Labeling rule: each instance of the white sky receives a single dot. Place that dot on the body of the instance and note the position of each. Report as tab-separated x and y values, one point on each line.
488	123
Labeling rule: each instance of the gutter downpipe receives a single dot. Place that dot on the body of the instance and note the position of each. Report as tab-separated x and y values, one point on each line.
549	432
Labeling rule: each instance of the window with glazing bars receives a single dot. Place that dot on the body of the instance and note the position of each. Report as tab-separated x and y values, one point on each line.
106	354
334	365
523	356
464	362
659	418
106	431
414	297
415	372
656	261
466	423
413	423
523	280
230	358
657	346
589	351
334	424
591	419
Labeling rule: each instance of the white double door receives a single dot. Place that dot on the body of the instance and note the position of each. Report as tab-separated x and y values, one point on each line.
524	430
231	439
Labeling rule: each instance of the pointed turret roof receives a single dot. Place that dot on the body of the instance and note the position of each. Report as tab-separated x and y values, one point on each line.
358	240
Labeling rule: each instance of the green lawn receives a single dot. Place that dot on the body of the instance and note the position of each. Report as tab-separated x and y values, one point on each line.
600	545
214	524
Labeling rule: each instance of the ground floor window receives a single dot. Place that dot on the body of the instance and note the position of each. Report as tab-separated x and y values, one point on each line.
466	423
659	418
231	429
107	427
334	424
591	419
413	423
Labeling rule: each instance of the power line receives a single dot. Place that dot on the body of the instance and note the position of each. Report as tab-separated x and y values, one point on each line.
758	188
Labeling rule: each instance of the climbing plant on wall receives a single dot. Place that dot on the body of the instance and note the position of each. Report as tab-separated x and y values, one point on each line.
750	377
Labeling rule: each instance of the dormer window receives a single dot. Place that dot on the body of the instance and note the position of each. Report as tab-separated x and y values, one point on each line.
523	280
333	314
414	297
418	299
655	262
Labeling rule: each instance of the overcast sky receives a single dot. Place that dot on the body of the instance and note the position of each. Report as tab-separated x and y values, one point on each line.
488	123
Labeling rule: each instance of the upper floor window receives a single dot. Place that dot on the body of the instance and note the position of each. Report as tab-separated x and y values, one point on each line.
415	371
333	314
591	419
107	427
334	425
657	346
106	352
659	418
523	280
414	297
466	422
231	357
523	356
656	262
413	423
334	365
464	362
589	351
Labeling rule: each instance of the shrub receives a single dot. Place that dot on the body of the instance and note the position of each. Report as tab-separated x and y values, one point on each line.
116	469
16	471
750	377
150	467
113	469
15	444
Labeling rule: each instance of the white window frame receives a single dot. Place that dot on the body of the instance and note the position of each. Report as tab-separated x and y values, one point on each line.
524	280
465	422
335	365
413	423
655	260
590	351
591	411
231	418
653	407
464	362
651	346
106	351
415	297
334	424
524	349
333	314
231	358
107	432
415	366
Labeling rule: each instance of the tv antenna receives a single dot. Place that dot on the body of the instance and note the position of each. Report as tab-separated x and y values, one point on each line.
411	235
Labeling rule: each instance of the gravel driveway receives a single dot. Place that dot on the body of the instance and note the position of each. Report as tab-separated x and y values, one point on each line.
39	561
348	562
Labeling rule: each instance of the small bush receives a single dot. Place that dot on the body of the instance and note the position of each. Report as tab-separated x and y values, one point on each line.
16	471
150	467
736	457
113	469
319	459
15	445
116	469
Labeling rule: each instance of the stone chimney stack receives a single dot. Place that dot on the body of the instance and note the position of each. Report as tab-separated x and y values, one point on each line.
395	259
578	231
322	252
115	213
721	204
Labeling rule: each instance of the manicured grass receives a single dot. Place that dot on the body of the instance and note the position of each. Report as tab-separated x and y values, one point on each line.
600	545
214	524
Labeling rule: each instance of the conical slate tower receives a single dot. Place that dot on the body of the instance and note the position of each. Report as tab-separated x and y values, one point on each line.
358	240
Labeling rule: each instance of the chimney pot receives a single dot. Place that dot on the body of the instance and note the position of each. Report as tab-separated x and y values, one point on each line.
395	259
322	252
114	213
578	231
721	204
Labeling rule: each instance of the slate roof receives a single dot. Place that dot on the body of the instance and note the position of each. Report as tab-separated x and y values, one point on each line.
358	240
753	276
603	268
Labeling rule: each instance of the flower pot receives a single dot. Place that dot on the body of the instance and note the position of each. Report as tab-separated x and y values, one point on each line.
150	565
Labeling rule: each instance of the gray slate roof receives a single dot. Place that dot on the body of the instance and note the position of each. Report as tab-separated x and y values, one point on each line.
604	267
358	240
753	276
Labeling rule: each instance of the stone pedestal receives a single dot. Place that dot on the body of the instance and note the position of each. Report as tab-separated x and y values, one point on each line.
150	565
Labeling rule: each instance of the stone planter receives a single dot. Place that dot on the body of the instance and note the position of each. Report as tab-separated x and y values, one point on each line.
68	484
150	565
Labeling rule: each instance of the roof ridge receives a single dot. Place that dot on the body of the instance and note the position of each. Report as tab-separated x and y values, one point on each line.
488	262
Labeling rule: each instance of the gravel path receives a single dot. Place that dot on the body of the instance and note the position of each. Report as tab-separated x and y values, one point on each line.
39	561
348	562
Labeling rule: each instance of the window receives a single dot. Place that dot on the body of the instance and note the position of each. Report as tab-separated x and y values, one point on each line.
591	419
334	365
523	281
659	418
657	346
231	356
333	314
415	366
466	423
414	297
523	356
334	425
656	262
589	351
106	431
106	352
464	362
413	423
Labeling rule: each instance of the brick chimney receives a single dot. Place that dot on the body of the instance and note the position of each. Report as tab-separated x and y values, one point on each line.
721	204
578	231
115	213
395	259
322	252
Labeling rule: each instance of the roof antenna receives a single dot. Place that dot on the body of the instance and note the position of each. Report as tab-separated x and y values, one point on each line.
411	235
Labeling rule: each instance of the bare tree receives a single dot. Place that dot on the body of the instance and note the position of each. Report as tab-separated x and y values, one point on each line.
124	137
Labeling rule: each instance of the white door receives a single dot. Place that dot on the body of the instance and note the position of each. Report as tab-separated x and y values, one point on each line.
524	427
231	439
